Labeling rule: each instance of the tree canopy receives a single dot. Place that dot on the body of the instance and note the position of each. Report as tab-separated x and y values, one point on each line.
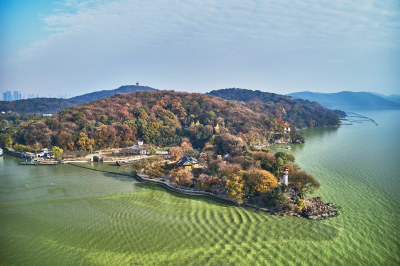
303	182
158	117
297	112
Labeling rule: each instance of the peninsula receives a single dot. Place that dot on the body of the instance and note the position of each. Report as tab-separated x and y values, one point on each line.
191	142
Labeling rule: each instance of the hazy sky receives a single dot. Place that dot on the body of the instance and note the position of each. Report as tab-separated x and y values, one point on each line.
73	47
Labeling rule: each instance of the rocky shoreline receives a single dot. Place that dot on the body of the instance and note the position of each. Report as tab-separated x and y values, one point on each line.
316	209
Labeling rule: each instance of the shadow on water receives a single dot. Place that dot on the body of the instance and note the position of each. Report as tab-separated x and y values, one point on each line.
320	132
120	177
198	198
129	177
126	176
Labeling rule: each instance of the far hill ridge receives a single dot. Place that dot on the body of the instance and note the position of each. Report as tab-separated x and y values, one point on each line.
348	100
54	105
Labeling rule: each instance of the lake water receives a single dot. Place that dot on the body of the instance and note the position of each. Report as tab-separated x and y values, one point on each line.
66	215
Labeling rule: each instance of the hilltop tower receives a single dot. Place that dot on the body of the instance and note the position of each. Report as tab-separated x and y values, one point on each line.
286	176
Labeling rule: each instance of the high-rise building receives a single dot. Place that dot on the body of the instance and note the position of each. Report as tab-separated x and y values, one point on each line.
11	96
16	95
7	96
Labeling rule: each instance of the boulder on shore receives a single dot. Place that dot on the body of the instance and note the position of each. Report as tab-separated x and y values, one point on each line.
316	209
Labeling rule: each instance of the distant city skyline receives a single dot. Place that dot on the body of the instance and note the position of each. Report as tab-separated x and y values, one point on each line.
72	47
13	95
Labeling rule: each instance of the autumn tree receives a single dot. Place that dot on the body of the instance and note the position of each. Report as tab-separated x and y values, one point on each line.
186	145
37	146
84	141
259	181
234	187
303	182
6	140
205	181
105	136
57	152
37	132
179	109
126	132
124	113
246	162
155	169
181	177
211	180
65	140
226	169
176	153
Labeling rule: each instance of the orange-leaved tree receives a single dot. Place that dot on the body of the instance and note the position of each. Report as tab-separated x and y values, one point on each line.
186	145
176	153
259	181
180	177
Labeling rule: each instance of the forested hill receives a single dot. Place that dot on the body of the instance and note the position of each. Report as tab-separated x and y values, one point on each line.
54	105
97	95
38	105
300	113
158	117
349	100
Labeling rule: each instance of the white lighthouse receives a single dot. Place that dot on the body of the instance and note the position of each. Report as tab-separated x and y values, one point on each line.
286	176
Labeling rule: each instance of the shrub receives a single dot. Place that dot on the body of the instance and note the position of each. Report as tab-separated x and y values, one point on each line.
300	206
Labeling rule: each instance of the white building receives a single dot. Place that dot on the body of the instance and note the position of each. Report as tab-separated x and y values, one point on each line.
286	176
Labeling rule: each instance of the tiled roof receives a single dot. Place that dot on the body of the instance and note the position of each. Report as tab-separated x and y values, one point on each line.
186	161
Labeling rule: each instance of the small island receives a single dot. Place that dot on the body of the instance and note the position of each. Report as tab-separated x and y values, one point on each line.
191	143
